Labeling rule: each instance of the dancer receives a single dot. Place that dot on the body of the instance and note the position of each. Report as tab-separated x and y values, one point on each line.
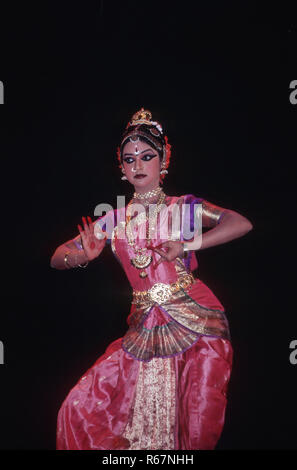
164	384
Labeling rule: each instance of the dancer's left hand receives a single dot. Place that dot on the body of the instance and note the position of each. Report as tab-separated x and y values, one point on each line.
168	251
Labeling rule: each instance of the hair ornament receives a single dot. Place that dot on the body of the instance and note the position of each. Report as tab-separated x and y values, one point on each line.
144	116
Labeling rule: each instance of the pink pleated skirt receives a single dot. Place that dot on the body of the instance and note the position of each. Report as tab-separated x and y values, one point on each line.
167	403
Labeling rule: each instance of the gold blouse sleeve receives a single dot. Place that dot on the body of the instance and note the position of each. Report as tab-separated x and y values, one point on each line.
211	214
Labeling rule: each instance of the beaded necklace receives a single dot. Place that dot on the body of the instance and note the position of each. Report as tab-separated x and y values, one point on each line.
149	194
142	259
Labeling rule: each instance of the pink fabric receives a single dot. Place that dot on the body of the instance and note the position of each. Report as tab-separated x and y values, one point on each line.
204	296
165	271
203	373
96	410
156	317
95	413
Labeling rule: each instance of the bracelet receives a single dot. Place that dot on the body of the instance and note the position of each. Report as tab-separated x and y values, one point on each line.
66	260
76	263
185	251
83	265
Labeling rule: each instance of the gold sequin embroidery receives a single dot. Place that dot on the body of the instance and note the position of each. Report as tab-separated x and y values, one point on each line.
152	417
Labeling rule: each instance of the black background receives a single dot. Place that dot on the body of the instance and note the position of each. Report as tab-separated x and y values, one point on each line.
217	77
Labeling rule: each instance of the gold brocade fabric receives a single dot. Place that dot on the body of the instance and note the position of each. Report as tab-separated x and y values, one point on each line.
197	318
152	415
186	320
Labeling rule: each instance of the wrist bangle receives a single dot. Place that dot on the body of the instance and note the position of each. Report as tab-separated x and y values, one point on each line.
81	265
76	263
84	265
66	260
185	251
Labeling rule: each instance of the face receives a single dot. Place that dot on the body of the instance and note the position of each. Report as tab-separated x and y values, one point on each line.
142	166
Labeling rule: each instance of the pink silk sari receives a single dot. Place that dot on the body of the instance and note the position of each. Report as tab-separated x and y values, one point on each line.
164	384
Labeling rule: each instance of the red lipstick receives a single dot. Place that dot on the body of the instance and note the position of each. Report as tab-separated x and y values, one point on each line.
140	176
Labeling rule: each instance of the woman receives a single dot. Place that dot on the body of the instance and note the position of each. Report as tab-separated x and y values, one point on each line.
164	384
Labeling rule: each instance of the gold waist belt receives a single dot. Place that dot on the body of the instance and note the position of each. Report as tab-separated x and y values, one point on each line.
161	292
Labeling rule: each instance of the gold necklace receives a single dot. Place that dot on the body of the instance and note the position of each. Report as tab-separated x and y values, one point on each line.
149	194
141	259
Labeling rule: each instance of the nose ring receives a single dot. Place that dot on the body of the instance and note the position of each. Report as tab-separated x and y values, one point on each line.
134	171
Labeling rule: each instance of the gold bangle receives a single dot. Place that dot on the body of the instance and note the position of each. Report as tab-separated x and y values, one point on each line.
76	263
66	260
185	251
84	265
81	265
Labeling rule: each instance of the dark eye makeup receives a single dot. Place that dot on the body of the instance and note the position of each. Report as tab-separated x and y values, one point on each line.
128	160
145	158
148	157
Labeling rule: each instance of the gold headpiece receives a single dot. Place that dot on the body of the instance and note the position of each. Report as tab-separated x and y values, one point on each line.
141	117
144	116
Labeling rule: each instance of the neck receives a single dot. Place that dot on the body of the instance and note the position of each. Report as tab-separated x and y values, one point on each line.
146	189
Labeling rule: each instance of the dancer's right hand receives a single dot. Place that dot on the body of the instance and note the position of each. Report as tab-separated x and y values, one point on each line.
92	245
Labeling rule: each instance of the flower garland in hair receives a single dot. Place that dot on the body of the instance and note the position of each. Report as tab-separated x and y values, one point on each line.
158	126
119	157
167	155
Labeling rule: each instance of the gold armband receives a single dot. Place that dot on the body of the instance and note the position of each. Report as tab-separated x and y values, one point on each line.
211	214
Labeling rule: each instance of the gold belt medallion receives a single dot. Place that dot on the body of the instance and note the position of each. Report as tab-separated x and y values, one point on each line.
161	292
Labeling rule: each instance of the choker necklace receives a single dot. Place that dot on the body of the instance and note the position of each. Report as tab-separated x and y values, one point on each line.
149	194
